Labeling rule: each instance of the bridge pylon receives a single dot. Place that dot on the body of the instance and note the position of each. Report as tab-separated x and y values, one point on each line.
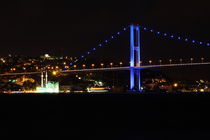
135	48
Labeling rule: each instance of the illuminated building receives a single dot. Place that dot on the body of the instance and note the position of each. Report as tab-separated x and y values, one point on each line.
50	87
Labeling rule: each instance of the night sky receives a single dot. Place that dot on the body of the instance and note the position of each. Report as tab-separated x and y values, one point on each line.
70	28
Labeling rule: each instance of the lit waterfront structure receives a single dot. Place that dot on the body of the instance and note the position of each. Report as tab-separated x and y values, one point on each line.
50	87
135	77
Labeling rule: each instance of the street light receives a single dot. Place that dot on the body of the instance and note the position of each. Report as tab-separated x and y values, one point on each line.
202	59
83	65
150	61
121	64
170	60
93	65
75	66
102	64
191	60
160	61
111	64
181	60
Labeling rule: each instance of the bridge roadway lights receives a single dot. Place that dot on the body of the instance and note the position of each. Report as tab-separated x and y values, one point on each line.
135	74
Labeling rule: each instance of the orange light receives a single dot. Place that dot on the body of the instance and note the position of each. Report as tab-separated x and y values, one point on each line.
175	85
54	72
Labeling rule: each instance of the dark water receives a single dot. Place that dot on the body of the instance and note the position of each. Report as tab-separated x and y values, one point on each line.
106	116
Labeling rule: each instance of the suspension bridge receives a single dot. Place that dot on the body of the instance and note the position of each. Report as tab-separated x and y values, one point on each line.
135	57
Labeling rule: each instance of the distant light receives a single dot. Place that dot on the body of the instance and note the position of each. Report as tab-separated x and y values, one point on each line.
172	36
175	85
151	30
179	38
106	41
208	44
124	29
94	49
158	33
193	41
165	34
202	90
54	72
47	55
101	44
201	43
88	52
71	64
118	33
186	39
102	64
112	37
82	56
145	28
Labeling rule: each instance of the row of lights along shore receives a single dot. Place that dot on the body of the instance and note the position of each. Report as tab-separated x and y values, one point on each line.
120	64
181	60
160	61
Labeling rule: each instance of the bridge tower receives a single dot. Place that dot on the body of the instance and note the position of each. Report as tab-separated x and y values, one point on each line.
135	47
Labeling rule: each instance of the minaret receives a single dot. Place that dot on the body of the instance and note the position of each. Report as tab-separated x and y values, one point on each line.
42	80
46	76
